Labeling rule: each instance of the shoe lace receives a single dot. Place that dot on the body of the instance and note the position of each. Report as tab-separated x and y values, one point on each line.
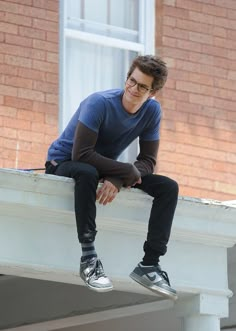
97	270
165	276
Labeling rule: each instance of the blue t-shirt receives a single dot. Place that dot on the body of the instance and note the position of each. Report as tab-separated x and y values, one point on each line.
104	113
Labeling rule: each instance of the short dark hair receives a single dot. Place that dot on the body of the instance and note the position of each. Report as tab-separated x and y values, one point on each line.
151	65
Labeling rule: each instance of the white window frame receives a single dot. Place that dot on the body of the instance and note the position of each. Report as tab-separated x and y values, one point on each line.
145	46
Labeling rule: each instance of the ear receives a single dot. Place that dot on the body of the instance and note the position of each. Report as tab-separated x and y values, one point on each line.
152	94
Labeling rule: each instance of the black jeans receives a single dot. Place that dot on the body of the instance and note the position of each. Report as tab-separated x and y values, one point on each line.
163	189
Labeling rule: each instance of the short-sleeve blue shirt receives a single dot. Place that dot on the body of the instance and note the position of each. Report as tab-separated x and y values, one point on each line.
104	113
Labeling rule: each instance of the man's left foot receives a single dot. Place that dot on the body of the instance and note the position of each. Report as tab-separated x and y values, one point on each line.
155	279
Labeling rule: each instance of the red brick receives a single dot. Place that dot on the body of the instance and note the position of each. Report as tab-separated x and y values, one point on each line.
188	66
179	74
32	33
48	139
52	98
30	94
45	107
214	10
16	40
176	12
51	119
188	4
7	6
8	132
30	116
23	2
9	28
232	55
231	14
46	4
18	82
168	104
30	136
7	111
168	20
44	45
220	32
45	87
224	43
201	99
193	26
52	57
224	104
175	32
201	38
232	75
52	37
226	3
19	124
2	37
18	19
46	25
225	187
31	11
178	53
18	61
52	78
201	79
44	66
231	34
18	102
200	17
176	95
8	90
169	2
32	74
224	22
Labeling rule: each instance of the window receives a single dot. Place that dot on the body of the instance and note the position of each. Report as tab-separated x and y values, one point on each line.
98	40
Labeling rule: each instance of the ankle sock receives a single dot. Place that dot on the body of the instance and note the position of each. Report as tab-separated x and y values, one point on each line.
88	251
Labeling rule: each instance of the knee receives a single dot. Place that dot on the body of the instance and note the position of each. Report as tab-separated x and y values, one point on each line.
173	187
87	171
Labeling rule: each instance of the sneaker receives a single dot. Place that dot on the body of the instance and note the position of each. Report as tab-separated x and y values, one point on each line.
92	273
155	279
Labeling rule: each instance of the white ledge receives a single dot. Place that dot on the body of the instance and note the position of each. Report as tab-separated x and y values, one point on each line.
38	235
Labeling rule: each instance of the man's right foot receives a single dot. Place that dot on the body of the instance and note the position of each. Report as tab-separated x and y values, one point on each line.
155	279
92	273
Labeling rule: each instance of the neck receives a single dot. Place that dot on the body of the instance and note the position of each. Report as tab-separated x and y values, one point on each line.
130	107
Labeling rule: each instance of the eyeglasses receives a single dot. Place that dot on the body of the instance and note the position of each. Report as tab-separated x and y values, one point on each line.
141	87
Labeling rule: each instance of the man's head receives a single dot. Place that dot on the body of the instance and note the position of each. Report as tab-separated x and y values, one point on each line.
152	66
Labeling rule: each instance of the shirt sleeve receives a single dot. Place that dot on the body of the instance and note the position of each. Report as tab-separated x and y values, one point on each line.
84	151
152	129
146	160
92	112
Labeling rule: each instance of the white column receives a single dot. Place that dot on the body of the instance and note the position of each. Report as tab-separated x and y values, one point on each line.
201	323
202	312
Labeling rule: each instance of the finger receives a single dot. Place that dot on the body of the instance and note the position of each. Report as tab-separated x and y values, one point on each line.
110	197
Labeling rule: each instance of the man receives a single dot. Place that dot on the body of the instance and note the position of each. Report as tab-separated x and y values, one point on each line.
87	151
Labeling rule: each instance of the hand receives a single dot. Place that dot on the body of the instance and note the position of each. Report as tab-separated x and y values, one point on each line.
139	181
106	193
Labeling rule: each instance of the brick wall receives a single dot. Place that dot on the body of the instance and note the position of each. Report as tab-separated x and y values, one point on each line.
198	142
28	81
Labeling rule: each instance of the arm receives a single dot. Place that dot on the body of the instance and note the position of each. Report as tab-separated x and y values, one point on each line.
84	151
146	160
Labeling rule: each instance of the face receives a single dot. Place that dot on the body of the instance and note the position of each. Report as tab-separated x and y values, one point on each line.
138	88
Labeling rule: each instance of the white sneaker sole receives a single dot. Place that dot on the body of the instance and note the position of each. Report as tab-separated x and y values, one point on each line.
154	288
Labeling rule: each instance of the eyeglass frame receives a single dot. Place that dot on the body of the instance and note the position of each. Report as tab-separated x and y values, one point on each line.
141	87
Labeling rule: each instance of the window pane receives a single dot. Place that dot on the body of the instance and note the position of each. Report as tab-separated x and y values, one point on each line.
89	68
117	19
